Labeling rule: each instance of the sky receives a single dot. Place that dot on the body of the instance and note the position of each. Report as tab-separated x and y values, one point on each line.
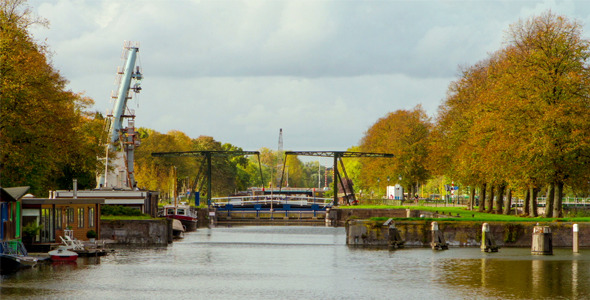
239	71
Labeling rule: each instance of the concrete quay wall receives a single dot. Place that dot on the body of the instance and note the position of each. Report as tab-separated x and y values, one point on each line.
370	233
339	216
143	232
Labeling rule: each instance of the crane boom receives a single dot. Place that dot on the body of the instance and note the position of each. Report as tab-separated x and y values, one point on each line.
122	174
123	94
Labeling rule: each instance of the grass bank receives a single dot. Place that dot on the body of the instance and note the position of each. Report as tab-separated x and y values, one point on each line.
462	214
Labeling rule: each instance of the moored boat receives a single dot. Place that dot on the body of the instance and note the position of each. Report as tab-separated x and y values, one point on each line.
14	256
183	212
63	254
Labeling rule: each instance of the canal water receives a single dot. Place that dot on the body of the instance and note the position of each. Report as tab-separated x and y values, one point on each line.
303	262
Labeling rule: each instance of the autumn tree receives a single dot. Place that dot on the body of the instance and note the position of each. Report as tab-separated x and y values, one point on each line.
405	134
550	90
45	130
512	121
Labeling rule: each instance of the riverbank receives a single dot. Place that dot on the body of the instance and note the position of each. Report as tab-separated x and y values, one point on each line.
373	233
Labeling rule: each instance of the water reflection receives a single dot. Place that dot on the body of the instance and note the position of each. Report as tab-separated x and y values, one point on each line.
513	274
261	262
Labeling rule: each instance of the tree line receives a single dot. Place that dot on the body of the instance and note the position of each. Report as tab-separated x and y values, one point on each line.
513	125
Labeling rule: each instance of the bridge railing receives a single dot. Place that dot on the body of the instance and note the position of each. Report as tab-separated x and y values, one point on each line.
268	200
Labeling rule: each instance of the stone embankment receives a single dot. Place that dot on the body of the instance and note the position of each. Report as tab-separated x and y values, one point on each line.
146	232
461	233
338	216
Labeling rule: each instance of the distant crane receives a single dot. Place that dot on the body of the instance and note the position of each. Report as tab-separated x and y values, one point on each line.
122	140
280	163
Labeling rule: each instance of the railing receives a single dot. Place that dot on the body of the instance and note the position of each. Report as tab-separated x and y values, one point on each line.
13	248
566	201
268	200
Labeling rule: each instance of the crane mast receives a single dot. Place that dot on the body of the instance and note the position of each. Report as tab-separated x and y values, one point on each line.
122	141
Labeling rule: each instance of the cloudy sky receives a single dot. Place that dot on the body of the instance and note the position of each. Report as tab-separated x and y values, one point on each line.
323	71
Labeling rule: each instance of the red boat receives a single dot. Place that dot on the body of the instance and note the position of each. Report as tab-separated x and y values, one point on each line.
183	212
63	254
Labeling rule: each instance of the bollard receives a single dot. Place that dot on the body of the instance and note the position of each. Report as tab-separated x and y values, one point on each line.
488	244
394	240
576	242
542	241
438	239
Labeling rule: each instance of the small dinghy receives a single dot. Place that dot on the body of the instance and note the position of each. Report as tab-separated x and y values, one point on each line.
63	254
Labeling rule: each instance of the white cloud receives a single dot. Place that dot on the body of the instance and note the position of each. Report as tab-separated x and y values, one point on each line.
324	71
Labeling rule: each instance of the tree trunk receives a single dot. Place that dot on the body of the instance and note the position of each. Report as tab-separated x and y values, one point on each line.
557	211
482	198
500	198
490	199
471	198
534	193
525	207
508	202
549	200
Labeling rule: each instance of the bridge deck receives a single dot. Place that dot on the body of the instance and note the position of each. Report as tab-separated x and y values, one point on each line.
269	203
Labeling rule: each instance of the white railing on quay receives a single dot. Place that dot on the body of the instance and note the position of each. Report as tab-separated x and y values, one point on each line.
268	200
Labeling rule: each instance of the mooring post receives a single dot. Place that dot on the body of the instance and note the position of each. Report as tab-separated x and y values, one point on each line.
542	240
395	240
488	244
576	242
438	239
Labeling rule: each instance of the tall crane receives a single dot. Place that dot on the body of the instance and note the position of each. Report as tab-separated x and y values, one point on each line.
119	171
280	163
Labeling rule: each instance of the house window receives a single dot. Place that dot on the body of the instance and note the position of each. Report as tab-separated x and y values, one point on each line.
91	217
80	217
58	219
46	223
70	216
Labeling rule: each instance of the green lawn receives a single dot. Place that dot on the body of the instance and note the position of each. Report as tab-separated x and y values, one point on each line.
462	214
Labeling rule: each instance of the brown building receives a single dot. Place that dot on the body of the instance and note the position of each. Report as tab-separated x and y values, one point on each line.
59	217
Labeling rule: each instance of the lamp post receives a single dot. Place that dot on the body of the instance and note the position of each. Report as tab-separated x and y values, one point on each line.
378	185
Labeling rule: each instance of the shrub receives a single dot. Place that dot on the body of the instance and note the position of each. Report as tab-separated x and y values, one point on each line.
91	234
119	210
31	229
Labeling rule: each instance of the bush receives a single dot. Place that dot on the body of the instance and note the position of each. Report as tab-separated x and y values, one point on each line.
118	210
31	230
91	234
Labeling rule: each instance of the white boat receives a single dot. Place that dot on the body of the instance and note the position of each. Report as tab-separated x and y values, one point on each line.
63	254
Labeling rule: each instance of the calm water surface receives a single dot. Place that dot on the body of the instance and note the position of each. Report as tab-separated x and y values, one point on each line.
270	262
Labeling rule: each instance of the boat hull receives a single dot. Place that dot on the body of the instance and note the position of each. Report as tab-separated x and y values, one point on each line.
62	254
63	258
12	263
190	224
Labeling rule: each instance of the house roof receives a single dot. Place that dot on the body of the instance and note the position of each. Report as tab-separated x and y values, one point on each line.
62	201
13	193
